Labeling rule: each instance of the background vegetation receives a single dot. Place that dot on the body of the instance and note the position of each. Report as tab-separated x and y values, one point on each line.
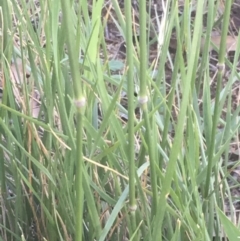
100	147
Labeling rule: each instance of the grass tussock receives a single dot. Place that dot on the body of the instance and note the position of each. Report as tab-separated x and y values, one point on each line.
119	120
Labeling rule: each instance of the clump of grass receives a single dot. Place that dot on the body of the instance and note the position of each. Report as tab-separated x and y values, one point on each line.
77	163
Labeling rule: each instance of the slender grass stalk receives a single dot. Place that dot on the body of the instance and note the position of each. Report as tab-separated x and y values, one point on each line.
5	55
2	113
6	28
80	103
143	102
221	69
130	94
170	100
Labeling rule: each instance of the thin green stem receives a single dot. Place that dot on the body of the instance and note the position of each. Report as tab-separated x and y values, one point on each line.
79	180
130	94
6	27
80	102
221	69
143	101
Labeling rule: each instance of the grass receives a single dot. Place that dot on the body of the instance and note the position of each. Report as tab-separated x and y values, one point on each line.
79	163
